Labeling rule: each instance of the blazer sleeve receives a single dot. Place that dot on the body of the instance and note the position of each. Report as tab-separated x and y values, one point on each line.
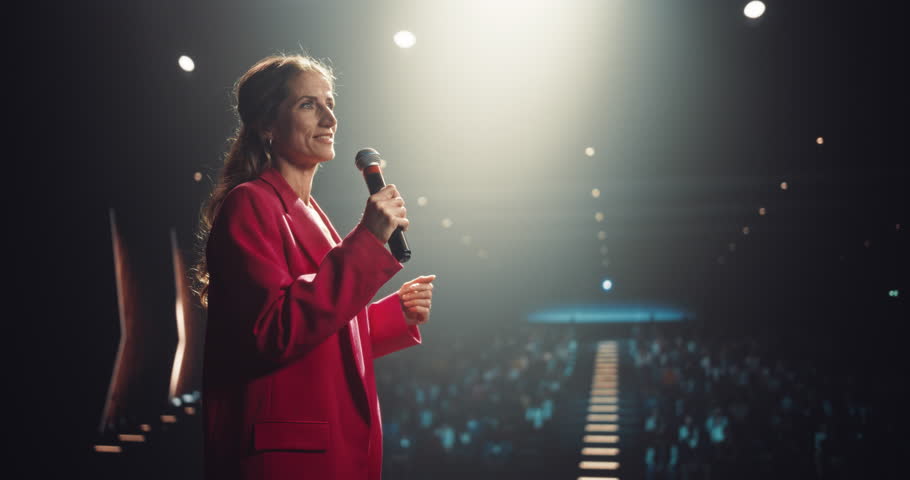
389	332
281	315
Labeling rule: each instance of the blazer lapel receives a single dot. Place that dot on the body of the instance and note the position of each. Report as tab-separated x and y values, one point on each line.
315	244
305	230
355	324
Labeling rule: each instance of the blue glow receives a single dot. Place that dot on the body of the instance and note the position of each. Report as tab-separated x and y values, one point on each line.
607	285
628	313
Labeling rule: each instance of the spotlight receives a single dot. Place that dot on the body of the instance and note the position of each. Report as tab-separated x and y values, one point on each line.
186	63
607	285
754	9
404	39
589	151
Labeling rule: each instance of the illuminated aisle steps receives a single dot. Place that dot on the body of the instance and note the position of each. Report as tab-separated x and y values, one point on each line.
600	451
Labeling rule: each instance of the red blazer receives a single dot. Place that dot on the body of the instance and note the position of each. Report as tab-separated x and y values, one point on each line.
288	384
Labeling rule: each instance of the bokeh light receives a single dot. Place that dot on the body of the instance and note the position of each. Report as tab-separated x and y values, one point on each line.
186	63
754	9
405	39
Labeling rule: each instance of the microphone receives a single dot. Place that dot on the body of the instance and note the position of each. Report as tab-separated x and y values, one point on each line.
367	161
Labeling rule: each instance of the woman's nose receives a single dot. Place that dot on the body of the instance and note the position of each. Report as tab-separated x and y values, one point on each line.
328	118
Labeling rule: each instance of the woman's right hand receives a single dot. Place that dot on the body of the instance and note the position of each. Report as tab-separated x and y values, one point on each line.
384	213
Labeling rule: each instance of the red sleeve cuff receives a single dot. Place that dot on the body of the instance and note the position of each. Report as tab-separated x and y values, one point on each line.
389	331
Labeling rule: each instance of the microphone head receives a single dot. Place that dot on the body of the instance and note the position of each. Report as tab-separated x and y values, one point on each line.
367	157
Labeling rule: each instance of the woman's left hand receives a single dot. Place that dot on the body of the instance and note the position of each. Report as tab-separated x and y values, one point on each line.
416	299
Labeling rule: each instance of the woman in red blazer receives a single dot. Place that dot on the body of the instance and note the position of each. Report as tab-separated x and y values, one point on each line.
288	385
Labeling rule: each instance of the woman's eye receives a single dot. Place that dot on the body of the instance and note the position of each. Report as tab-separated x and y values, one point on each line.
306	105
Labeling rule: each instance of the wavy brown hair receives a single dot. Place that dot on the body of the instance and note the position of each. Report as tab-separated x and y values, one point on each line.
258	94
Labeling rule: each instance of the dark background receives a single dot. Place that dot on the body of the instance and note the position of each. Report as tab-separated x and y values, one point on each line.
699	123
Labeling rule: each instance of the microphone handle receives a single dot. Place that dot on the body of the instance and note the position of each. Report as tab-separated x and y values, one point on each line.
397	243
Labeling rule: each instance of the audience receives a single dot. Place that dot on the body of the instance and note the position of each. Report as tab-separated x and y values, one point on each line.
752	408
480	401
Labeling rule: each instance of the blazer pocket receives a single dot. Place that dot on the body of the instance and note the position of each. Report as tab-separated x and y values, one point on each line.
303	436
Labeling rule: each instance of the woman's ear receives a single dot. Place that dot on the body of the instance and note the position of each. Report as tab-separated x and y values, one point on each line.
266	135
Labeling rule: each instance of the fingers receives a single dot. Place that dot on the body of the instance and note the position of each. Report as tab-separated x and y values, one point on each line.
417	299
419	314
412	285
389	191
385	211
419	302
424	279
413	294
391	203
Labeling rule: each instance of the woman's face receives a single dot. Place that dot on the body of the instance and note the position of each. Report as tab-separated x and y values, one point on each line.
304	132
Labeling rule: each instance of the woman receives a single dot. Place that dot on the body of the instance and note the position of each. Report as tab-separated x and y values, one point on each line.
289	389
